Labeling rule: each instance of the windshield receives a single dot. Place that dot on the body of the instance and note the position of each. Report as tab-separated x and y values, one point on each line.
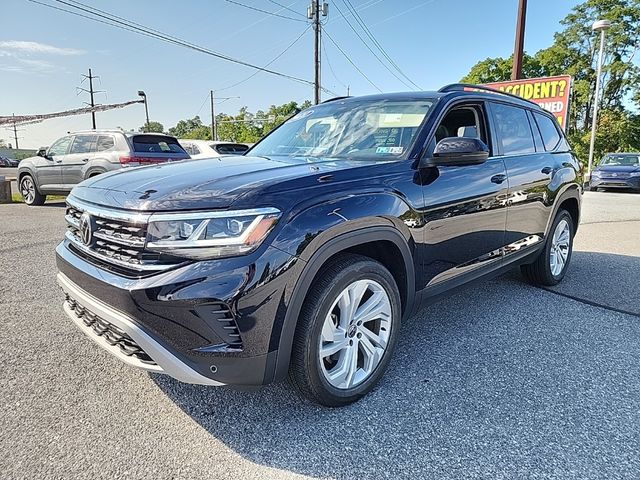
339	129
622	160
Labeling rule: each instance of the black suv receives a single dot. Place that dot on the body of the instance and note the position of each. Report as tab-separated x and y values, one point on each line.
301	258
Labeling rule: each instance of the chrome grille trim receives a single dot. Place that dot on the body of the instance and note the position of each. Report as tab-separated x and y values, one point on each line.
137	218
150	267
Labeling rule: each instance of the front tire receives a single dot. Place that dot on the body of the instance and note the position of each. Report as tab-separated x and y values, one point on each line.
30	194
552	262
346	332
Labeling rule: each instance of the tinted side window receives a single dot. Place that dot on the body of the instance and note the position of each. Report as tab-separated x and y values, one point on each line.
550	135
83	144
513	129
105	142
60	147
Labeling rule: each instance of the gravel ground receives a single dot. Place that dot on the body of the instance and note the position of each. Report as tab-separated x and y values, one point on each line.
502	380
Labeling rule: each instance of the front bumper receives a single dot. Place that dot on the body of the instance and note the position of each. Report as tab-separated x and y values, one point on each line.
151	355
615	182
209	322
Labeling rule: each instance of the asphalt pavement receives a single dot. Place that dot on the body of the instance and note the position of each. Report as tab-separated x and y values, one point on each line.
502	380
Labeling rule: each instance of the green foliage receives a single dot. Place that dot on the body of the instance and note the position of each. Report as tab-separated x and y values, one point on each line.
155	127
184	128
574	52
2	144
244	127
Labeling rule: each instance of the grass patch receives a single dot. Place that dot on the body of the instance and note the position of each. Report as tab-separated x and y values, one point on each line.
17	198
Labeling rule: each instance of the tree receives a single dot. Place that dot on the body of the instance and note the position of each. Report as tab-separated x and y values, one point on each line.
155	127
574	52
2	144
185	127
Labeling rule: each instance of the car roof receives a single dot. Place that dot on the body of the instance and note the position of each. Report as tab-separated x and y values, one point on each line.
487	94
116	130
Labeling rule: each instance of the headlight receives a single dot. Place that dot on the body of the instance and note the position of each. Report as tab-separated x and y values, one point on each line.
210	234
634	174
595	173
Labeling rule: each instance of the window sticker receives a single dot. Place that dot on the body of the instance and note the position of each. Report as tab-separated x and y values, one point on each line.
392	150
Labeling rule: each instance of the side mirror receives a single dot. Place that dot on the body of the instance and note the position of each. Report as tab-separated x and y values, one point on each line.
459	151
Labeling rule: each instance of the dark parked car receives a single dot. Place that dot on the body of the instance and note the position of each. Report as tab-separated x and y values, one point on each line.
616	171
76	157
303	257
8	162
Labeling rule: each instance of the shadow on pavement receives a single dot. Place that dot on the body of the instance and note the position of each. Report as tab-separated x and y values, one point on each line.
501	380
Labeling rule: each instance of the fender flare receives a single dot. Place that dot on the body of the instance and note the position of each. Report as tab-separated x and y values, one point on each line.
571	191
311	267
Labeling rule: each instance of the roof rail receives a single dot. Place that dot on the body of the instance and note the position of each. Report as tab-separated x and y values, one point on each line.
336	98
458	87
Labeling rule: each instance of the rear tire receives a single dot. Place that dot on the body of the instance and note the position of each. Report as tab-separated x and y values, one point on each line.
30	194
552	262
346	332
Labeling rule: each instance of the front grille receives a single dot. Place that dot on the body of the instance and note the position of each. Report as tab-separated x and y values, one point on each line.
117	239
109	332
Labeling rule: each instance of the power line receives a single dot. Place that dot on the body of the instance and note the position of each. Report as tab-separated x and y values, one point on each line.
335	4
284	7
351	61
368	32
146	31
264	11
270	62
415	7
326	56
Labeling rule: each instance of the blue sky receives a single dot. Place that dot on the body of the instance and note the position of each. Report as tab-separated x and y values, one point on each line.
43	53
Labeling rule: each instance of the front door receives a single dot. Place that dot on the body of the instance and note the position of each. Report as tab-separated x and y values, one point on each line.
49	171
465	211
73	163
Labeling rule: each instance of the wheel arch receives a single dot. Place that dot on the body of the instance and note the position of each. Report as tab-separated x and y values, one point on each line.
570	199
382	243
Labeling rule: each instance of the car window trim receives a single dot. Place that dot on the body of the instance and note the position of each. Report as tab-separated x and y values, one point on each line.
499	138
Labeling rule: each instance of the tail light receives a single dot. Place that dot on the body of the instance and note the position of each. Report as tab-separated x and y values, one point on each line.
135	160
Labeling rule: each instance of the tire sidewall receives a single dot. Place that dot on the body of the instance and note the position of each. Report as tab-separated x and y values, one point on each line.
359	271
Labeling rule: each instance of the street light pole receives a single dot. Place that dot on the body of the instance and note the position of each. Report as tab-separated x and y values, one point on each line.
146	108
214	126
600	26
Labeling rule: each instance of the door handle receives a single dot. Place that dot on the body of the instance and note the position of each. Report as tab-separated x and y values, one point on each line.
547	170
58	161
85	160
501	177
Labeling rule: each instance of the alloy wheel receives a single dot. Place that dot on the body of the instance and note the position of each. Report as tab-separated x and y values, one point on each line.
560	245
355	334
28	190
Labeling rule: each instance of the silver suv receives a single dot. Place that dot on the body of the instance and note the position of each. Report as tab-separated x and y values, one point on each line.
81	155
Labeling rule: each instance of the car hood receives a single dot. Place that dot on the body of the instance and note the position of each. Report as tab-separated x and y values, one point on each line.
618	168
213	183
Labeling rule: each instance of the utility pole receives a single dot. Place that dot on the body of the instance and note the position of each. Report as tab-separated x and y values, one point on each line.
214	122
518	49
15	131
214	126
314	12
91	92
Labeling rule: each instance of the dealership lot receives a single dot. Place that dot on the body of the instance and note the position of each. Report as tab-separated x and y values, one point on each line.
503	380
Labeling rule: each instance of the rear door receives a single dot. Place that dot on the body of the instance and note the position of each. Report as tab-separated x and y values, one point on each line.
81	151
50	172
530	168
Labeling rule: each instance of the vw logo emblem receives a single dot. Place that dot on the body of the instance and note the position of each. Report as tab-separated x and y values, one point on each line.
86	234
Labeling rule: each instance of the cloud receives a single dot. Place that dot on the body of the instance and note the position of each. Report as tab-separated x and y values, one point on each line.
18	46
